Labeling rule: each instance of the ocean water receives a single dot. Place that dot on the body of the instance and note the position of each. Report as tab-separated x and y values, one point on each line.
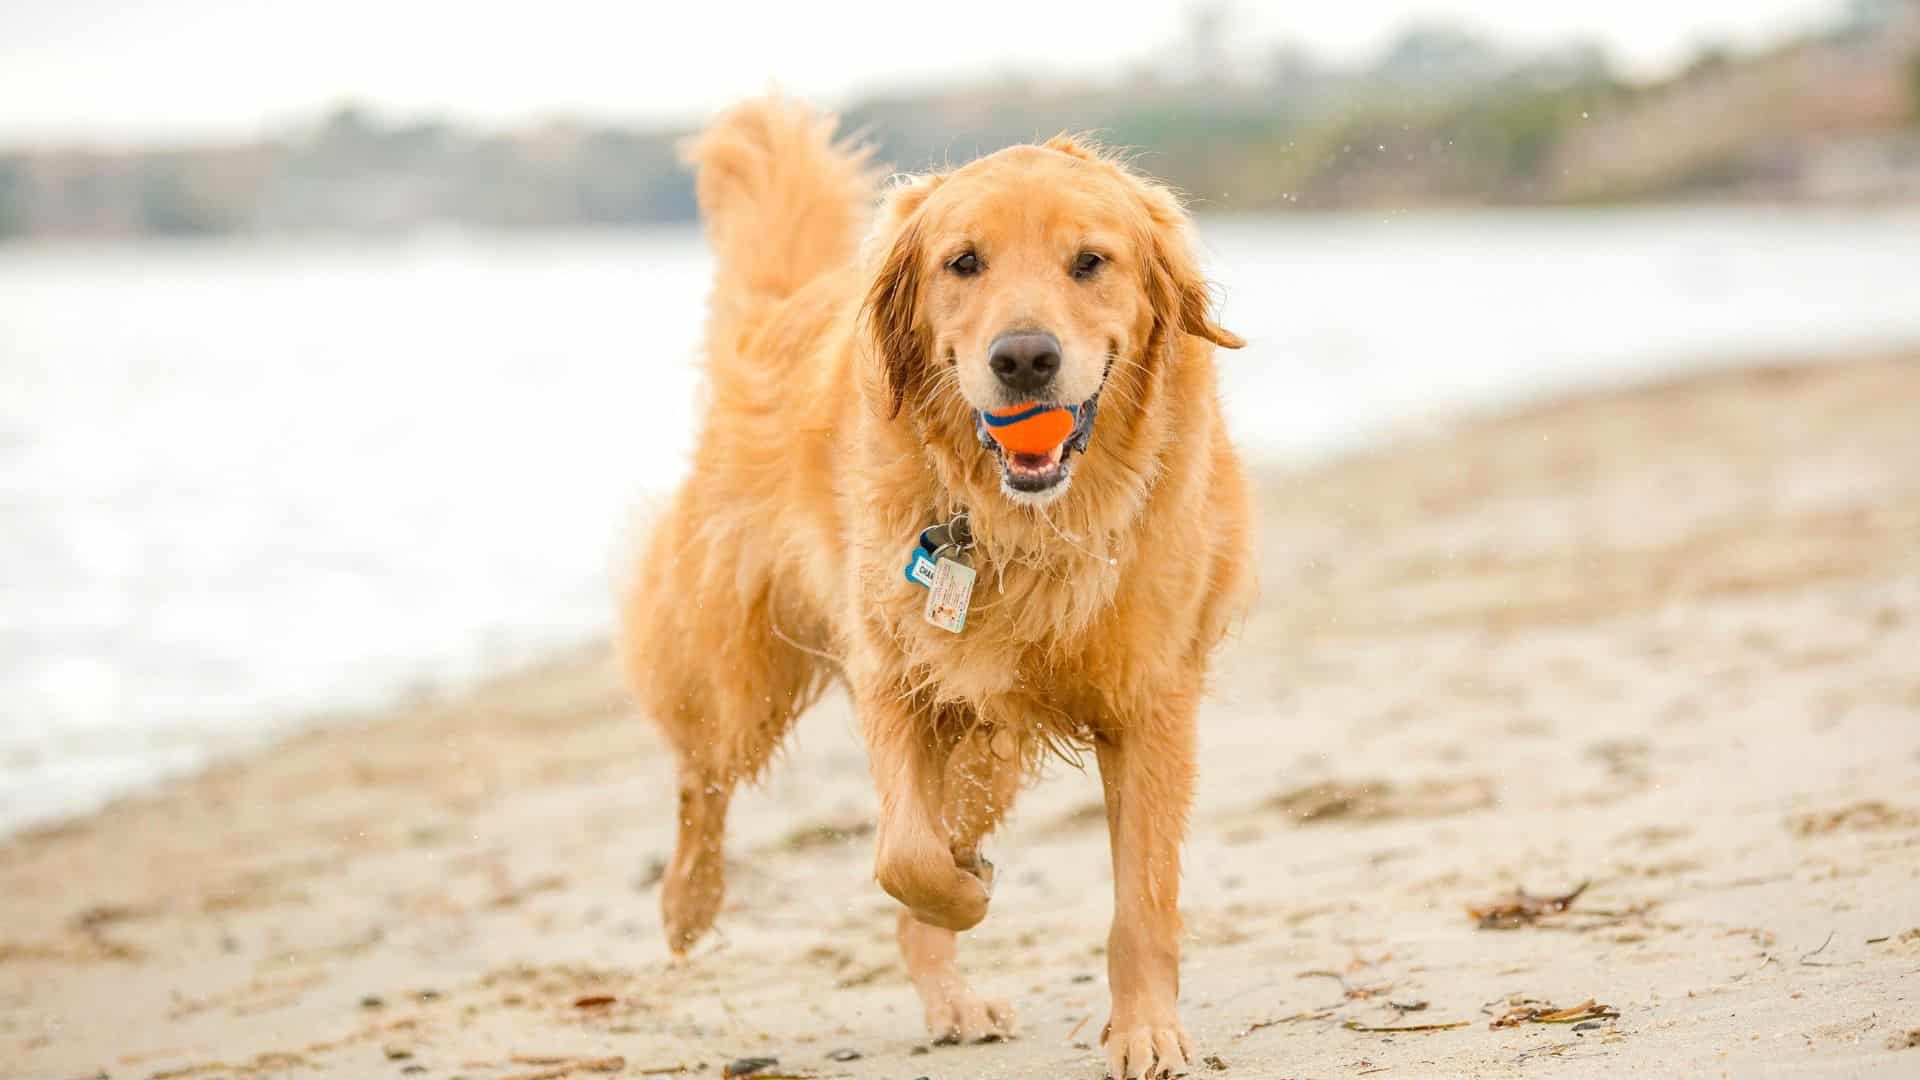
248	484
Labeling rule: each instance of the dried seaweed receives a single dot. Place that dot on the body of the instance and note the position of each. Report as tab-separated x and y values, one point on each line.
1350	991
1522	908
1259	1025
564	1067
1540	1012
1808	958
1355	1025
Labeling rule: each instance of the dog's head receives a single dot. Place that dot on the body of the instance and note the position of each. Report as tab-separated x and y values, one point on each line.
1037	276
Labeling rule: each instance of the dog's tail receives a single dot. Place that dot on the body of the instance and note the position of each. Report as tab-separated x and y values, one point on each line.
783	202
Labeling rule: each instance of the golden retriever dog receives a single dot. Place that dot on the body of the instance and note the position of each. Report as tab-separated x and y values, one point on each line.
850	386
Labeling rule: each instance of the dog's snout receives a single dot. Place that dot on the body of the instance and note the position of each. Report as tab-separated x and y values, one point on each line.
1025	362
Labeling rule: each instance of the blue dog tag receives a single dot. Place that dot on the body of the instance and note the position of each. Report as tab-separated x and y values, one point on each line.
920	568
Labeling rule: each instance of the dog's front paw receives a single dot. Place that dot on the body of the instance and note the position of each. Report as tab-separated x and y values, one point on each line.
955	1015
939	891
1143	1048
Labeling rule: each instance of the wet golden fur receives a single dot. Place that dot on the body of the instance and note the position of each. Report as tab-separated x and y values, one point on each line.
836	430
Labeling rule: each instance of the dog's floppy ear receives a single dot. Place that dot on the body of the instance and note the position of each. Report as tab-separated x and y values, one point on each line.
1178	293
892	310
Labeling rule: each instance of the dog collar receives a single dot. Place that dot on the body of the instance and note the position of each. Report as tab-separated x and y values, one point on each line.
950	539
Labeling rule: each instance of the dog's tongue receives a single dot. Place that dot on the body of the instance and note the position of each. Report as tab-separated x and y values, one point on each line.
1031	431
1035	463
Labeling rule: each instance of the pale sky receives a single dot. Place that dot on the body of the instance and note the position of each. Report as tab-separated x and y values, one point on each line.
117	70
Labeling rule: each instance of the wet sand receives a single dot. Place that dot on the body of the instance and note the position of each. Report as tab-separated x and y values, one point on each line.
1663	642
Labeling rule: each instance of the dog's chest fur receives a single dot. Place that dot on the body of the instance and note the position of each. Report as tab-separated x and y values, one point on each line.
1047	639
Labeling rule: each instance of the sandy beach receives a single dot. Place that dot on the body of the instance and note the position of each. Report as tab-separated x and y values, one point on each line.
1656	650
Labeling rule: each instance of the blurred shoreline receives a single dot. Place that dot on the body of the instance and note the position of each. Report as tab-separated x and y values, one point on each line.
292	479
1657	638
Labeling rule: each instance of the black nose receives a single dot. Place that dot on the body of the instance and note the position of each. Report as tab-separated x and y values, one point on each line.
1026	361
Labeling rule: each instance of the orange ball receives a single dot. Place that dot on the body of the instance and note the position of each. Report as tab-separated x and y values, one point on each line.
1030	428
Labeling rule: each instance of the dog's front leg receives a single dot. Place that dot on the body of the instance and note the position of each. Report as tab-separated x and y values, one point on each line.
974	790
913	851
955	1014
1146	770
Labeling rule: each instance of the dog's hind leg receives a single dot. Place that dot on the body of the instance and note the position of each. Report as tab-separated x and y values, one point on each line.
695	881
725	731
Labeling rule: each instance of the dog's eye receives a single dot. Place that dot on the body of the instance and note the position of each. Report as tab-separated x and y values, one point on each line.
966	265
1086	265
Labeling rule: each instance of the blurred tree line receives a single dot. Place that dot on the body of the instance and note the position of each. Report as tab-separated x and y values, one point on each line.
1442	116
